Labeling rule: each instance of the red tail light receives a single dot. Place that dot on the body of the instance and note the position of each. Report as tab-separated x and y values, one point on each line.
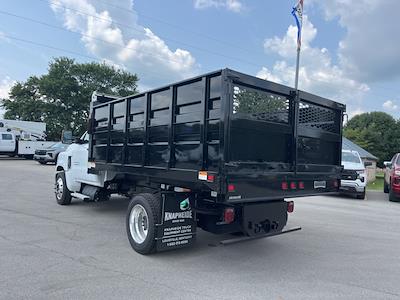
210	178
301	185
290	206
284	186
231	188
229	215
293	185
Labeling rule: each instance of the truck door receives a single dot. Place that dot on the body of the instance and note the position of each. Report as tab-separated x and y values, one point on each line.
7	142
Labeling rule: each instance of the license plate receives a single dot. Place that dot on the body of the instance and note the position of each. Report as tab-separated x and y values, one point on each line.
320	184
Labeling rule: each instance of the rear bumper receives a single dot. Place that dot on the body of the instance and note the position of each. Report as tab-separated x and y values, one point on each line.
273	188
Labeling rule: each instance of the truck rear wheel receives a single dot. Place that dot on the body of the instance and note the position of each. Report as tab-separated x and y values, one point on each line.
144	213
63	195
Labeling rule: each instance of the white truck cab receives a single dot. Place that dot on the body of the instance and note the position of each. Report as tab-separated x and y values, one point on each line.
73	178
7	142
354	177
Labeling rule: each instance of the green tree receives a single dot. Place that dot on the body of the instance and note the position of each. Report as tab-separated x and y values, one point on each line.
61	97
376	132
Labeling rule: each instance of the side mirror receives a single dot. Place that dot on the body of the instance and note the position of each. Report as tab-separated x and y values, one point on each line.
367	164
387	164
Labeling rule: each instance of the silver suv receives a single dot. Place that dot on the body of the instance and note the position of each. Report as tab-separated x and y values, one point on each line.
50	154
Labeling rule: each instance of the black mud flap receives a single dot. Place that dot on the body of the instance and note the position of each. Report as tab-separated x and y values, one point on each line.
266	218
178	222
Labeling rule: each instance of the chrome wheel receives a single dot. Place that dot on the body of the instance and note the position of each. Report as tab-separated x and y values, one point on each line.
59	188
138	223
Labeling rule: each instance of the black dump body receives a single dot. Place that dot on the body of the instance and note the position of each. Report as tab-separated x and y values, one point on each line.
256	140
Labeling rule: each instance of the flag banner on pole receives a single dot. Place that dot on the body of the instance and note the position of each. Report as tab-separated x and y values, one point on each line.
297	13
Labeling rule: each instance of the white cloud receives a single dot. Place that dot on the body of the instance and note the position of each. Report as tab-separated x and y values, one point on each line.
390	106
318	74
265	74
3	37
232	5
355	112
5	86
132	47
370	48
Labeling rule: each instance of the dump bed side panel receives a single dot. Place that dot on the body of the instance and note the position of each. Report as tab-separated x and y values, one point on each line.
319	135
178	127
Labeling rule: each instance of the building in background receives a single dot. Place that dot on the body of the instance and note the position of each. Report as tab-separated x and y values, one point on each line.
365	157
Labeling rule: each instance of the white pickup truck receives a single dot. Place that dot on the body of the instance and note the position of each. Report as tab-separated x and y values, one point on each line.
354	177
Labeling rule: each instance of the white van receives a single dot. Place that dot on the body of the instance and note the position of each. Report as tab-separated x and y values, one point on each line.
354	177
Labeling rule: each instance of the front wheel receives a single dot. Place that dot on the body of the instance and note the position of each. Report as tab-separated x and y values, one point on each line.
63	195
144	213
361	195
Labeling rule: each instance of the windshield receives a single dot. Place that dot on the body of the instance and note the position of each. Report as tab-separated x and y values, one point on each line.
85	137
351	157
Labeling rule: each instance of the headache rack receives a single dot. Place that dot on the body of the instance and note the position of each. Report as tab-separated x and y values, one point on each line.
237	129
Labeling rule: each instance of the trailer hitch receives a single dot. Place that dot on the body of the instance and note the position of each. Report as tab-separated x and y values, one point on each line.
249	238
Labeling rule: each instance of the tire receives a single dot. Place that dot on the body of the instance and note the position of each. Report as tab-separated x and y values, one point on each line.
361	195
392	196
63	195
385	187
147	208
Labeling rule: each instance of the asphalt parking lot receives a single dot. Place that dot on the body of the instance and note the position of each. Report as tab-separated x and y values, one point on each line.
347	249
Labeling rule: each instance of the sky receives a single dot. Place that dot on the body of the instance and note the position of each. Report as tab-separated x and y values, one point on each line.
350	49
